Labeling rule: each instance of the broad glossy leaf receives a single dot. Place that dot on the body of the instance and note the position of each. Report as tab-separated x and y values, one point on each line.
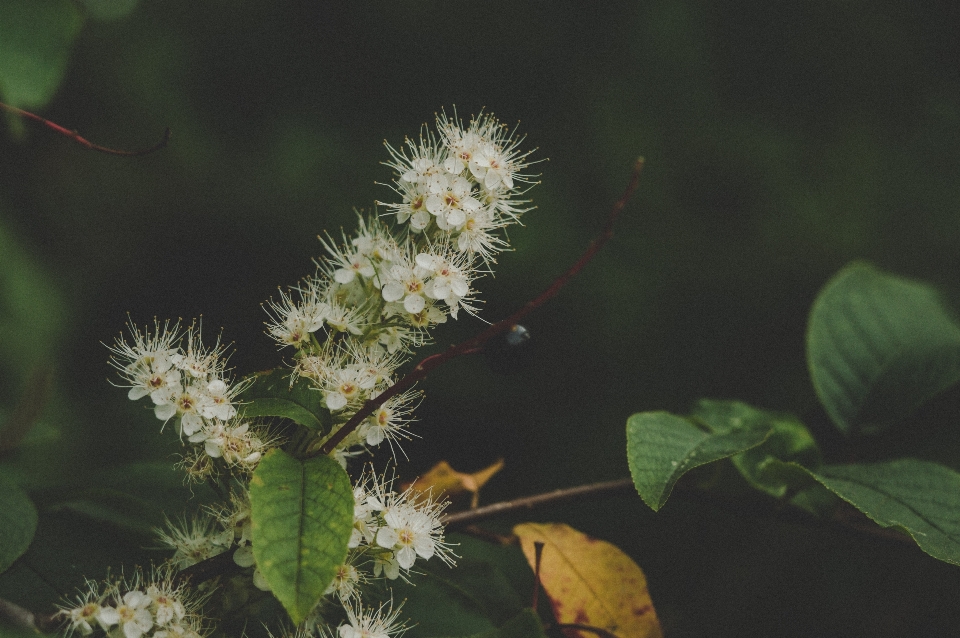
918	497
879	346
302	516
789	440
590	581
662	447
18	522
35	41
271	394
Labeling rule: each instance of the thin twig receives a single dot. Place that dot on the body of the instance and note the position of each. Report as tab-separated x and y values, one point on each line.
475	344
85	143
468	517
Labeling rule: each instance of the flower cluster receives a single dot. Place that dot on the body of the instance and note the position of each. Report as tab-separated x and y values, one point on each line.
128	609
462	185
189	382
394	529
215	531
379	292
376	296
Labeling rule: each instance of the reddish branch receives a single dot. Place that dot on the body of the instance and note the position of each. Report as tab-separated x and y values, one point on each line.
475	344
468	517
85	143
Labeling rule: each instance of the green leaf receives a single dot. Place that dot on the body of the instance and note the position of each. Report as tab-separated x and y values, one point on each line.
472	597
35	41
18	522
32	311
878	347
789	440
270	394
114	508
662	447
524	625
918	497
302	516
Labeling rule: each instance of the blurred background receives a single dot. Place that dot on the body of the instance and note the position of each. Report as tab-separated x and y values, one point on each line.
782	140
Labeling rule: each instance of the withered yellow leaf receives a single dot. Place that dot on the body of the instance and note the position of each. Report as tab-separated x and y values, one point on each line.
590	582
443	479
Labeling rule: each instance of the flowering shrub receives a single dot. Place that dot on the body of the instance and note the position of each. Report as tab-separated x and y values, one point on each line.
377	295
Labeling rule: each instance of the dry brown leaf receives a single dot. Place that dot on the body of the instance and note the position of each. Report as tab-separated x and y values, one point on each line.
590	582
444	480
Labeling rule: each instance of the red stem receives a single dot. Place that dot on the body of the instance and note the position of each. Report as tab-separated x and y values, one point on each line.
85	143
475	344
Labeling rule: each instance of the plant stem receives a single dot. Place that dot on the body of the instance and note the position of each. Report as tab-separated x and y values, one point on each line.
468	517
73	135
475	344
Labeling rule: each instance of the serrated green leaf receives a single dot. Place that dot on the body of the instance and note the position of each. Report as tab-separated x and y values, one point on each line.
526	624
18	522
270	394
302	516
878	347
35	41
918	497
662	447
789	440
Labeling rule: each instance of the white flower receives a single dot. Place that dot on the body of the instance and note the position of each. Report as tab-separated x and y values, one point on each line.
450	275
477	235
450	201
344	582
134	615
236	518
298	315
146	363
199	361
234	443
346	265
347	385
413	206
405	281
194	540
424	162
488	148
390	420
165	604
367	623
89	611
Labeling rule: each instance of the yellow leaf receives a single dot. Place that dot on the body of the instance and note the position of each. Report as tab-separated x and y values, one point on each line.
590	582
443	479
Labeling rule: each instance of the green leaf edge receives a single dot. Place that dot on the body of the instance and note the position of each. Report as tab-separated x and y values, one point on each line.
915	535
17	508
278	406
656	502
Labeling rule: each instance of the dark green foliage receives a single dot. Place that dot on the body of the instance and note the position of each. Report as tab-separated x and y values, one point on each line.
272	394
878	347
18	522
